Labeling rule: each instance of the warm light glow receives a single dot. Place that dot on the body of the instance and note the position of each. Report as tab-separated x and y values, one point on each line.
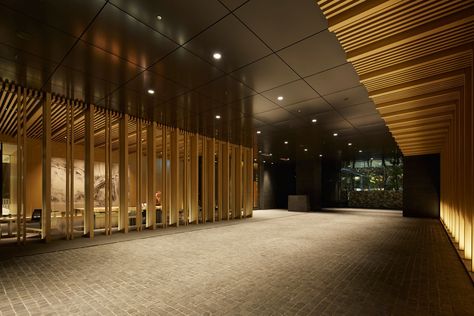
217	55
259	132
151	91
349	144
280	98
218	117
360	150
158	17
314	120
320	155
306	149
335	134
286	142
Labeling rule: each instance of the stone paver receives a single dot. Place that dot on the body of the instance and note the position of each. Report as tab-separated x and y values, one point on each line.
278	263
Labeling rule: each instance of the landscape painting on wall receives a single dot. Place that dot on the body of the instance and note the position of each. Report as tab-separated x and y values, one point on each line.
58	183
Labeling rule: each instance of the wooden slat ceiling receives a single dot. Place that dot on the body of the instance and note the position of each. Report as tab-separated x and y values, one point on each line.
413	57
8	121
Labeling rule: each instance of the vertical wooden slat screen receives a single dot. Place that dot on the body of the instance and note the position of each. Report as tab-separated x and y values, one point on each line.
151	188
174	212
89	172
138	176
219	179
233	151
123	173
194	179
238	182
46	169
57	119
210	181
164	187
225	181
21	165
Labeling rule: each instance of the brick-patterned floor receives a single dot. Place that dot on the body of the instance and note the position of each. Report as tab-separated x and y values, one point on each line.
354	263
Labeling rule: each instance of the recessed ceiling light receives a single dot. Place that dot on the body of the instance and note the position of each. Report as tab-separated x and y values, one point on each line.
349	144
151	91
159	17
218	117
314	120
320	155
217	55
280	98
259	132
286	142
335	134
306	149
360	150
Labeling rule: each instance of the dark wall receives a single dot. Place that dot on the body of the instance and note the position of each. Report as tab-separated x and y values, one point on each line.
308	181
277	182
421	186
331	191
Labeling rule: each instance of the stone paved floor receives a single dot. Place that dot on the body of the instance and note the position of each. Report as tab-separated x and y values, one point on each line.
334	263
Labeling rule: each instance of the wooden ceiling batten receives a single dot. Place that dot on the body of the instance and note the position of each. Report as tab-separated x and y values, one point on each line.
413	58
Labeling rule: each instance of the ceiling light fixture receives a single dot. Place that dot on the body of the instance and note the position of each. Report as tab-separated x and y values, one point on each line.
218	117
259	132
314	120
280	98
335	134
360	150
158	17
320	155
151	91
306	149
286	142
349	144
217	56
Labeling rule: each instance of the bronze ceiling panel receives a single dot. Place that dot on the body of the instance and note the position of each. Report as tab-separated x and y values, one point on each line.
265	74
181	20
186	69
293	92
231	39
315	54
282	25
225	90
130	40
71	16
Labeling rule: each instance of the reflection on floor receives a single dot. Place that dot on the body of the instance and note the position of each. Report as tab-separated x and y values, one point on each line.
367	263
